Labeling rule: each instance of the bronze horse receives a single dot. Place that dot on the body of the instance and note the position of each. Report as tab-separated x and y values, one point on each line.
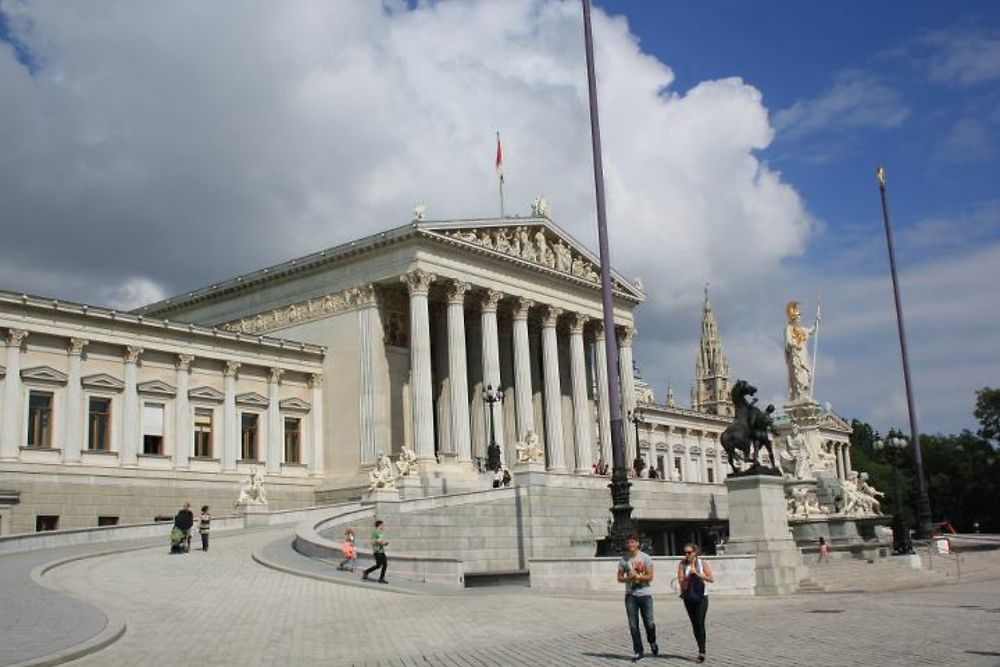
750	429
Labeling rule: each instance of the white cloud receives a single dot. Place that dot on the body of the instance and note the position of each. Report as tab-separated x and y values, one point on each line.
132	293
965	55
968	140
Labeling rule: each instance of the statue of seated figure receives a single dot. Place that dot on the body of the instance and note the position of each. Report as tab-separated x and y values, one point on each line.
529	451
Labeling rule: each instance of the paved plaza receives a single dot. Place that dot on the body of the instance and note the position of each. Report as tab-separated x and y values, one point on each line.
226	608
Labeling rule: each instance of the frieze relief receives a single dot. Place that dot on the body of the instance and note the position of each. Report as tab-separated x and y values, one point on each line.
304	311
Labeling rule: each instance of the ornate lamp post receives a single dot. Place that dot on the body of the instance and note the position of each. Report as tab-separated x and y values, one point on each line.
894	445
636	417
491	397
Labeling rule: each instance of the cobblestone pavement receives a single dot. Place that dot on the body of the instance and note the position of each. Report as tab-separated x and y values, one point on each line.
222	608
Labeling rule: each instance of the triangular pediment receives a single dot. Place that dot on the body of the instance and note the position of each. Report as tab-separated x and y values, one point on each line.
295	404
537	242
157	387
252	399
43	374
835	422
102	381
206	394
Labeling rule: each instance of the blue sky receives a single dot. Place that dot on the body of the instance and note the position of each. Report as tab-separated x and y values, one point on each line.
151	149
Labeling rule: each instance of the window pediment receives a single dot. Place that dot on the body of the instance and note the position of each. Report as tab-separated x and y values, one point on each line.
206	394
157	388
252	399
44	374
295	405
102	381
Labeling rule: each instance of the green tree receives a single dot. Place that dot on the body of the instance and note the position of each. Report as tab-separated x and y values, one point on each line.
988	413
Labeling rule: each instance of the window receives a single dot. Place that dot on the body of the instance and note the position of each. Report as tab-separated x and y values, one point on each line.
107	521
40	419
203	432
45	523
248	423
99	421
679	468
660	467
152	428
293	440
711	475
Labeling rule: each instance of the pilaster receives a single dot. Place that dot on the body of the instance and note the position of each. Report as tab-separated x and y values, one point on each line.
12	436
230	418
74	428
183	435
275	428
131	413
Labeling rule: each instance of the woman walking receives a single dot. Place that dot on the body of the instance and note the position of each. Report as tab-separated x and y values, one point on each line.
204	525
693	575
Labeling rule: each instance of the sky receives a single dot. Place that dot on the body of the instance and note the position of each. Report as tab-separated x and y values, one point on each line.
151	148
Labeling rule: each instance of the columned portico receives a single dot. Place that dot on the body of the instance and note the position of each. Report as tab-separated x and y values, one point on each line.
581	408
553	391
491	360
421	391
522	370
458	385
12	395
627	388
183	434
131	436
603	402
230	420
74	400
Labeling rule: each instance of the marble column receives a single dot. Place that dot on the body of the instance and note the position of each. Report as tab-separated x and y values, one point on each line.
131	410
847	459
12	436
458	377
74	428
183	428
553	391
421	392
316	418
627	389
839	452
603	402
230	418
581	406
522	370
275	429
491	362
369	330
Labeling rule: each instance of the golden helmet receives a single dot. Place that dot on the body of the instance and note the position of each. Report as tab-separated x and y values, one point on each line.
792	310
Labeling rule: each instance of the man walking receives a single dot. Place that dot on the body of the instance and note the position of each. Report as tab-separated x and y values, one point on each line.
378	550
635	570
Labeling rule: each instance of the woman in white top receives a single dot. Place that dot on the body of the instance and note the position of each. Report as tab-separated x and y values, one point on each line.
693	575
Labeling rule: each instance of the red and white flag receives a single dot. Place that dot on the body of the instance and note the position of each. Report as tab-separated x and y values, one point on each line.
499	160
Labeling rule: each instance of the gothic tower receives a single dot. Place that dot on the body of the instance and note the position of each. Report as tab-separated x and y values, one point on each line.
710	393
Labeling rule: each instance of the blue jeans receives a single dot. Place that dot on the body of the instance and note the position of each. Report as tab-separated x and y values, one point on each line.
634	605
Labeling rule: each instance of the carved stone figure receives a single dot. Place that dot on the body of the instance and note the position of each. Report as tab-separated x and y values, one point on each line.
252	492
540	207
501	239
527	248
800	372
381	476
795	461
419	211
872	495
749	433
564	256
485	239
529	450
407	461
544	254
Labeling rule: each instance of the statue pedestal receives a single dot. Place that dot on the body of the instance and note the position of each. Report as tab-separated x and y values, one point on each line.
410	487
254	514
757	525
527	466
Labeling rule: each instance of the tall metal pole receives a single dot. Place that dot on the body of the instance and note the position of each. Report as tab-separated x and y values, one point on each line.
621	510
923	500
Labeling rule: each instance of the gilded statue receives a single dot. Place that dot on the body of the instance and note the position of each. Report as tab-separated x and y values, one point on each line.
800	371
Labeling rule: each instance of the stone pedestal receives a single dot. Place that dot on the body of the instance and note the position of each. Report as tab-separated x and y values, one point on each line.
757	525
410	487
381	495
254	515
527	466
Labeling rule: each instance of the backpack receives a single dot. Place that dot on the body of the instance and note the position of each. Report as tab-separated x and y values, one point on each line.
694	591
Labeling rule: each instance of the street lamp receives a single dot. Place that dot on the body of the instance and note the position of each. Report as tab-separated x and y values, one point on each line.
636	417
894	445
491	397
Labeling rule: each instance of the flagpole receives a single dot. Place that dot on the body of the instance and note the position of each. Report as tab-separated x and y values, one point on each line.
499	166
815	348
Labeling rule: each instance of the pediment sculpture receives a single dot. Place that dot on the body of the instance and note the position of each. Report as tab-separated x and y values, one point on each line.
529	451
382	475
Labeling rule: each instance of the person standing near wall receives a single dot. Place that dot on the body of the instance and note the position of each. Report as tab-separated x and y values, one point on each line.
635	570
693	575
204	525
378	550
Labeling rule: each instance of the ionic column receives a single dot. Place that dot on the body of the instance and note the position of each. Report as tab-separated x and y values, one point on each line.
368	323
603	402
627	389
553	391
183	428
12	436
230	419
274	425
73	428
491	362
847	459
458	385
839	452
316	418
581	407
421	391
131	422
522	370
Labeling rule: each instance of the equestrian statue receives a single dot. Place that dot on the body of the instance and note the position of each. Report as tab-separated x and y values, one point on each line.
749	432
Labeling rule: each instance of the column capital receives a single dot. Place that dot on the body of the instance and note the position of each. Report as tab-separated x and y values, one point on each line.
598	330
274	375
75	346
15	337
490	300
183	362
418	281
131	354
625	336
231	368
550	314
457	290
366	295
315	380
577	322
521	307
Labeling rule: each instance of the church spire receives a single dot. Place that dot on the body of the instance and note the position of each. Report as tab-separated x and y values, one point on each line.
710	392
